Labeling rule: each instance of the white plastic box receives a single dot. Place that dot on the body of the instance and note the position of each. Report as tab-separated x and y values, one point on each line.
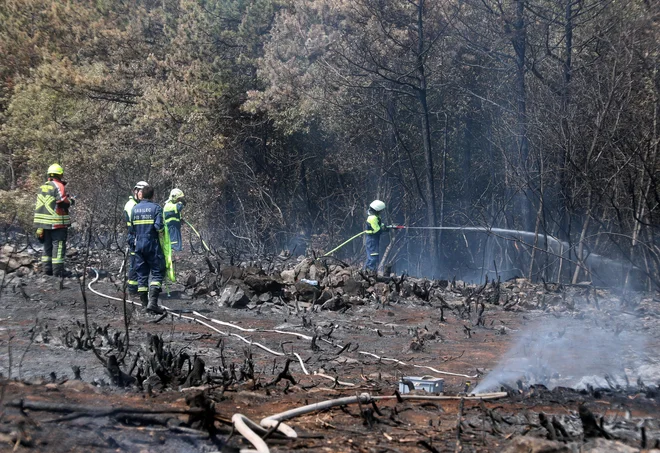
429	384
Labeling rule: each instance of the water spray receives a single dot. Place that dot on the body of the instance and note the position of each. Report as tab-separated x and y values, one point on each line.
555	247
521	233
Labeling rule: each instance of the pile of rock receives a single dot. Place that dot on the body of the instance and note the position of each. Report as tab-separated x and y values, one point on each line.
236	287
318	285
313	284
14	260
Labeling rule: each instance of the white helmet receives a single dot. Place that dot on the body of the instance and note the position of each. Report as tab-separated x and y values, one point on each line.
175	194
377	205
140	185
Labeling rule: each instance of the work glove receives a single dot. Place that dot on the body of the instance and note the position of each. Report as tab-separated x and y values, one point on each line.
40	234
72	200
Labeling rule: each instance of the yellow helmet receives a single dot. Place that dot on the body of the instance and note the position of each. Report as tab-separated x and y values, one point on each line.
55	169
176	194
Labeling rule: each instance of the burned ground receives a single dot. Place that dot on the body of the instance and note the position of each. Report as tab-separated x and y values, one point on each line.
179	382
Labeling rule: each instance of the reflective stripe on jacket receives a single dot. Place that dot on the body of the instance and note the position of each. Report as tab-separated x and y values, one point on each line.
52	209
130	237
172	212
374	225
172	216
128	207
146	222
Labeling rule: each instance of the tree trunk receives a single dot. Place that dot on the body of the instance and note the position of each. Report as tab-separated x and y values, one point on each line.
583	234
426	137
519	41
443	181
562	158
539	215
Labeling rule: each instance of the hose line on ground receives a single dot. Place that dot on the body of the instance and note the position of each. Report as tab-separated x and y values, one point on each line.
205	321
249	429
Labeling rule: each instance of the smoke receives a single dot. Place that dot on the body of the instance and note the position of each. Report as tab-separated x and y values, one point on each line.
571	353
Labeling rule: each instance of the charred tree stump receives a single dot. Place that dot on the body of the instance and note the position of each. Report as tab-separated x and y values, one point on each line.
195	376
590	426
118	377
545	422
459	428
284	374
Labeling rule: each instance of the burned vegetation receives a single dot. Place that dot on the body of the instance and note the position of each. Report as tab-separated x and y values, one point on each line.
303	354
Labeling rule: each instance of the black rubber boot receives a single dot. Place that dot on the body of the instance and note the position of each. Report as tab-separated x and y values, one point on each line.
153	307
59	271
144	298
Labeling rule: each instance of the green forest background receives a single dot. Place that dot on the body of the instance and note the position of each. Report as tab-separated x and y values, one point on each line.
282	119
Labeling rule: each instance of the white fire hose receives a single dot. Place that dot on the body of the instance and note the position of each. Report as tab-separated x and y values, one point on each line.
248	428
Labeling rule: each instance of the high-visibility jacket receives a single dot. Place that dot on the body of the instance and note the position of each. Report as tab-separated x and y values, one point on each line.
52	209
128	207
374	228
374	225
172	216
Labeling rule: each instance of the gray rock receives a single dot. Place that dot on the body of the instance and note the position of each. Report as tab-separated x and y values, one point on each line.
302	269
262	284
525	444
333	304
9	264
600	445
230	272
234	297
289	276
190	281
307	292
324	297
353	288
154	382
265	297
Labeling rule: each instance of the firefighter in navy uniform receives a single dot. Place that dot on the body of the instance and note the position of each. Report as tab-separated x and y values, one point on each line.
132	284
147	224
51	219
172	215
374	228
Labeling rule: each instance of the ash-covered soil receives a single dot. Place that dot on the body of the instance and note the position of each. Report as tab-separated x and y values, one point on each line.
580	365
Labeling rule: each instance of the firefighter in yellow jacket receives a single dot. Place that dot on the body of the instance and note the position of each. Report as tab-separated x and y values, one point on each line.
51	219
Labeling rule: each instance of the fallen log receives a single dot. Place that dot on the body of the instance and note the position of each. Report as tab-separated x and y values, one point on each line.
95	411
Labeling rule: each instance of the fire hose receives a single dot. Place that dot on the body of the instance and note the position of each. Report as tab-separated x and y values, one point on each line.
248	428
345	242
397	227
449	228
208	249
206	321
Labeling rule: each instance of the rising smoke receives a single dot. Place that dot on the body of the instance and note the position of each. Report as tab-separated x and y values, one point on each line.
574	353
